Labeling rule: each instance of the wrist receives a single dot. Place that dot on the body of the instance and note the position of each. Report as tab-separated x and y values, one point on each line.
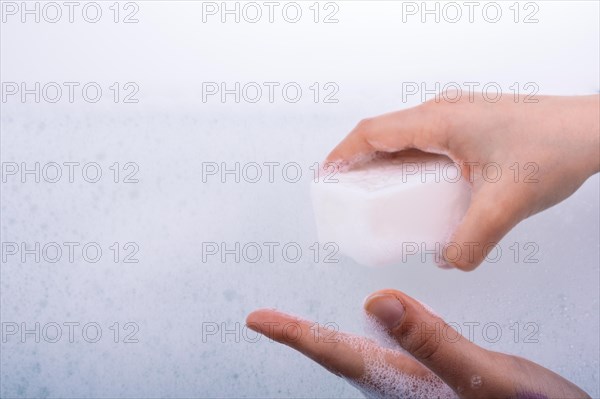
582	127
592	131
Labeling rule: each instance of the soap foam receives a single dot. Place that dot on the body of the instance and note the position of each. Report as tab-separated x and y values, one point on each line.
377	332
352	163
382	380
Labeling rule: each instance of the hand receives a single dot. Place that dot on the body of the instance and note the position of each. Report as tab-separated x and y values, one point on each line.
544	152
433	359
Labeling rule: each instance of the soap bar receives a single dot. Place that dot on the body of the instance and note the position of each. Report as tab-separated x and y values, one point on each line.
379	213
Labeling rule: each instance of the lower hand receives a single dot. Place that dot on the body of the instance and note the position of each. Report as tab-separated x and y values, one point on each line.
427	364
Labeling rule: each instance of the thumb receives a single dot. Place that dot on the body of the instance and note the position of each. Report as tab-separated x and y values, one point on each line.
460	363
489	218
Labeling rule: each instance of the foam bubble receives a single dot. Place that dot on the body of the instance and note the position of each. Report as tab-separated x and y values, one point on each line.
376	331
381	379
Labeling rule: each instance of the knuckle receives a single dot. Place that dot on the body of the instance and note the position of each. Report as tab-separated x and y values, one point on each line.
364	125
433	105
426	347
439	117
422	343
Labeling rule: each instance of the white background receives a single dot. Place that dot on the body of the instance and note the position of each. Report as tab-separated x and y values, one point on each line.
171	293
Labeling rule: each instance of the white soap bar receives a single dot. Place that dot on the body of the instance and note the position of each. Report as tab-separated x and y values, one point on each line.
379	211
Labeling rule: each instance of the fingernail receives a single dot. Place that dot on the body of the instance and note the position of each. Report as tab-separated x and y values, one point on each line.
386	308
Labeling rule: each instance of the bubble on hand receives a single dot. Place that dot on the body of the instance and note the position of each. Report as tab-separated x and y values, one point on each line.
381	379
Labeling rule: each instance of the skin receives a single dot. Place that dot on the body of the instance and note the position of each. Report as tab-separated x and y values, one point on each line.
447	358
555	143
557	138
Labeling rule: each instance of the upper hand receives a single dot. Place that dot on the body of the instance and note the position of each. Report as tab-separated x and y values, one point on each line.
520	158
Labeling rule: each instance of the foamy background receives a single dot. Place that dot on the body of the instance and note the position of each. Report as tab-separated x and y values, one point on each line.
170	293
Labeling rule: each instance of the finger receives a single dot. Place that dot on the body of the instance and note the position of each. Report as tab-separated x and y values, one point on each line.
321	344
491	215
452	357
343	354
419	127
